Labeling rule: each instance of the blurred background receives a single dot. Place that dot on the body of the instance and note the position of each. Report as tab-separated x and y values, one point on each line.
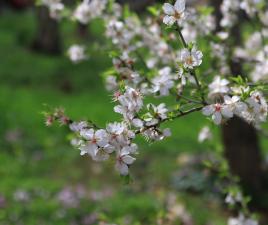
43	179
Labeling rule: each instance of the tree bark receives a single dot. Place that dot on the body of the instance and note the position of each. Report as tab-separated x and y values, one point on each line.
48	35
242	150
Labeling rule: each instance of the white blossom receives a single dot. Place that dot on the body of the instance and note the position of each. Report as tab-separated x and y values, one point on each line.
218	86
96	142
204	134
163	82
231	198
111	83
250	6
218	112
156	134
235	104
191	58
229	9
78	126
157	113
123	161
76	53
130	103
174	13
119	134
242	220
257	107
89	9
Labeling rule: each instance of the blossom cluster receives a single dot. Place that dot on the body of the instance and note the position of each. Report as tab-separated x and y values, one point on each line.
229	9
130	84
170	69
88	10
117	137
253	109
236	198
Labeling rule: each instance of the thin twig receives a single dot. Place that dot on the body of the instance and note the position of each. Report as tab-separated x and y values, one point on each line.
180	114
189	99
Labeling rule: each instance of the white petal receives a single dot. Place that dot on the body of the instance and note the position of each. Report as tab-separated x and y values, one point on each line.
227	99
93	149
151	122
208	110
227	112
167	132
240	107
224	82
124	151
168	9
180	6
128	159
102	138
137	123
122	168
119	109
101	156
235	98
87	133
216	117
169	20
130	149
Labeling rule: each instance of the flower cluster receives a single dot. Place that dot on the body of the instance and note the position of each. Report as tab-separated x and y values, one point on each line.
117	137
100	143
88	10
148	61
235	198
229	9
253	109
242	220
174	13
129	35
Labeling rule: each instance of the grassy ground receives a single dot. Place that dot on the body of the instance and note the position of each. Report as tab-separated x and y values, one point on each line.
44	180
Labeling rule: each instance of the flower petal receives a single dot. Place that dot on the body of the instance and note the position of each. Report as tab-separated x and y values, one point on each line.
169	20
168	9
216	117
208	110
227	112
128	159
87	133
122	168
180	6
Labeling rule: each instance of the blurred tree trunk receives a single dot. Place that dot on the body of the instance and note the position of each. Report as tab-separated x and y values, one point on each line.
1	6
48	35
240	139
243	153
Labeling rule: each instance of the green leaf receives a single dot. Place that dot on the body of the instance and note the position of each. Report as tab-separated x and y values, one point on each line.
153	10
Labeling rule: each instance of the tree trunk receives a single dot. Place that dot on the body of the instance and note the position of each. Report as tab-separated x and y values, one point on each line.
48	35
242	151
